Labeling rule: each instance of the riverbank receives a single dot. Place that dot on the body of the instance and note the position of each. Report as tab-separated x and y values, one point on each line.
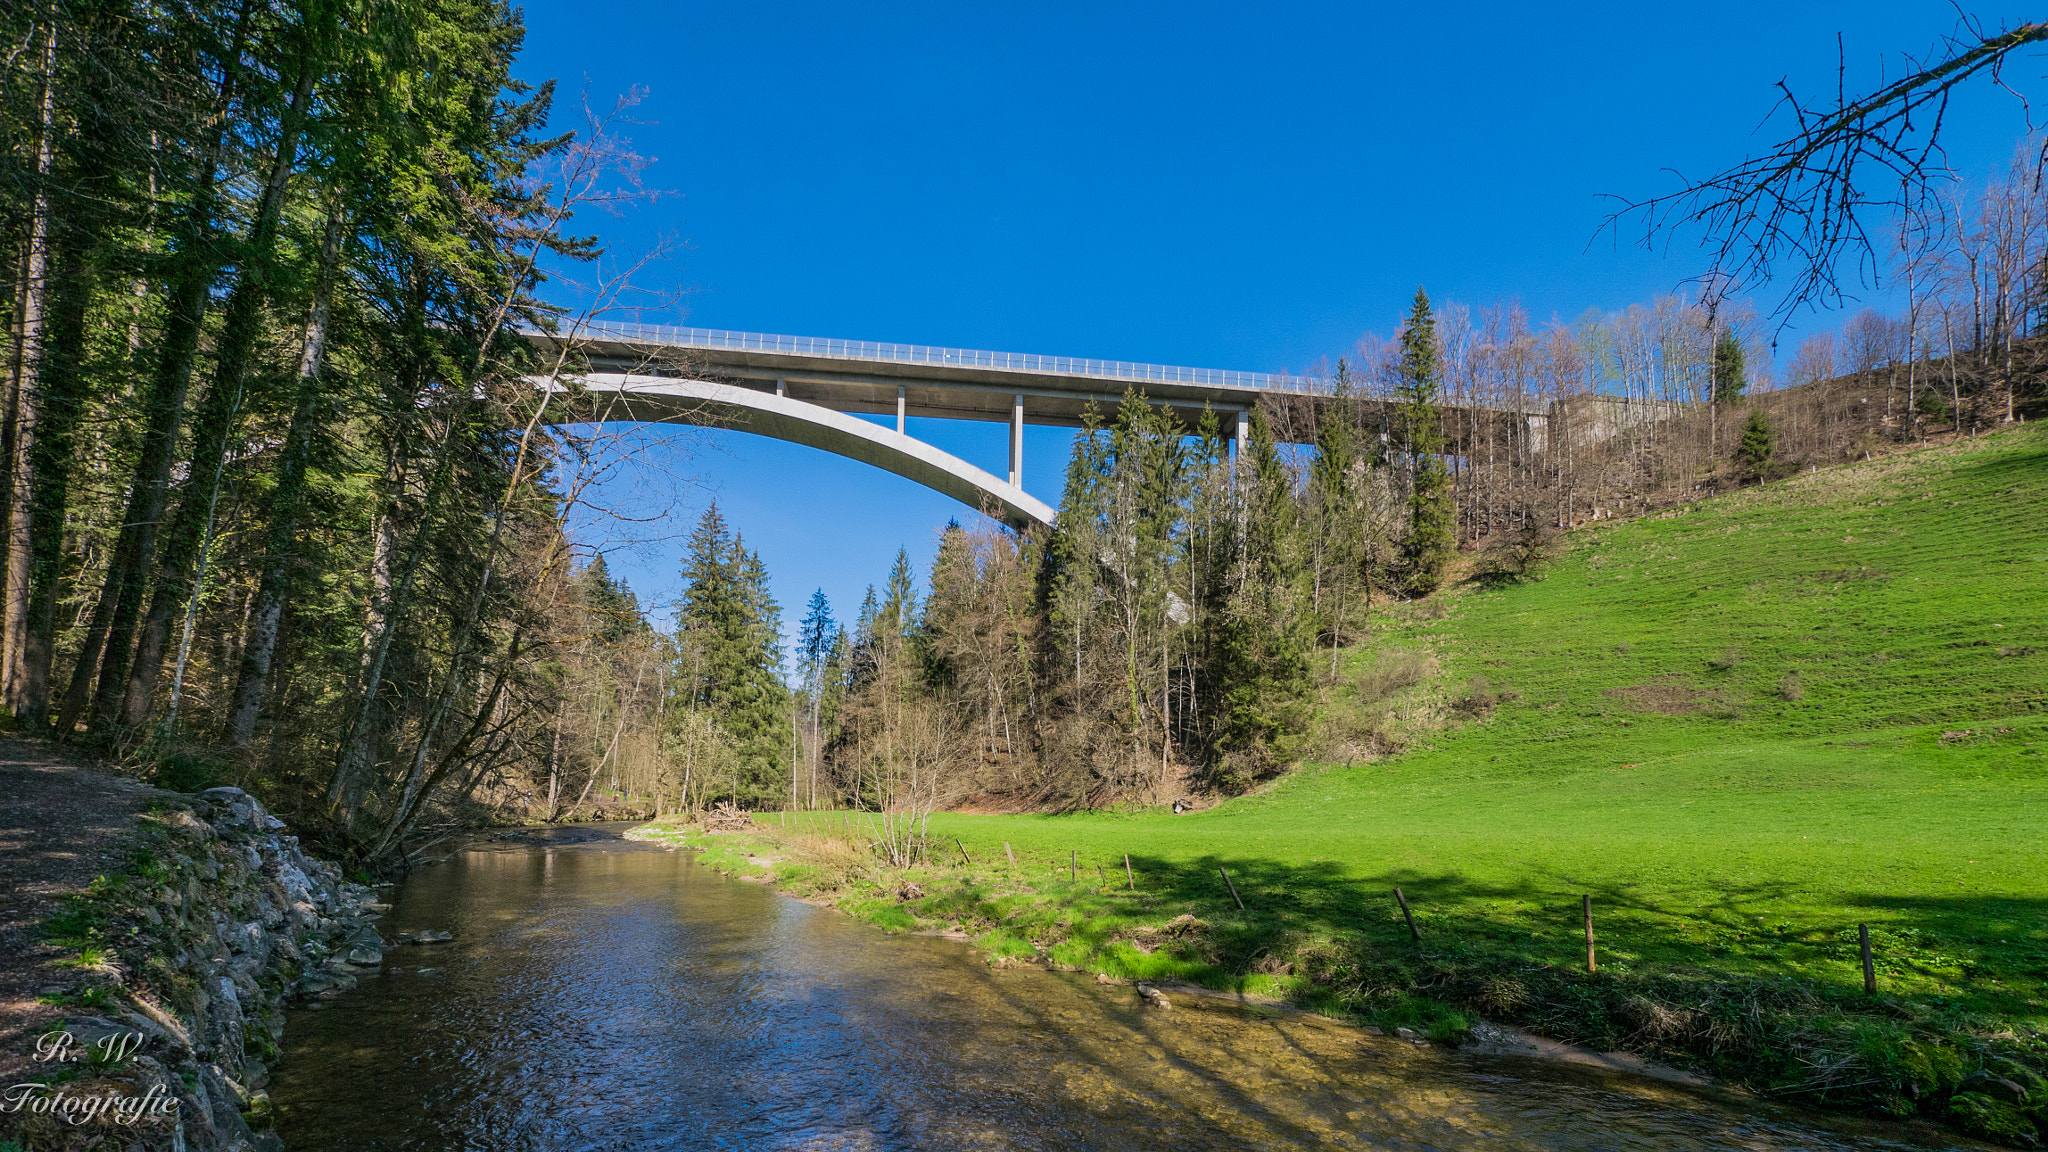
1794	1039
163	933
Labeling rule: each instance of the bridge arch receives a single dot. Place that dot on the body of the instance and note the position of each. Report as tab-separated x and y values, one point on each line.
706	403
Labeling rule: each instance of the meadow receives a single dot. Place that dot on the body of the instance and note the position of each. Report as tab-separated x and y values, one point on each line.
1742	728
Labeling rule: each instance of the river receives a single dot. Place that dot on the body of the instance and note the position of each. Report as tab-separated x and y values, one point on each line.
605	994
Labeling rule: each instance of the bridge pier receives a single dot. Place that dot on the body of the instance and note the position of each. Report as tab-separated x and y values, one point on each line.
1017	441
901	409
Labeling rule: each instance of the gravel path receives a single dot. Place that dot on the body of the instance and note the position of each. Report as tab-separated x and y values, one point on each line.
58	823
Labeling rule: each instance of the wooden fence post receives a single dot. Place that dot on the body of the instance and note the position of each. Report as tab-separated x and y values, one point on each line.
1074	867
1130	880
1409	916
1010	854
1233	889
1586	906
963	851
1869	965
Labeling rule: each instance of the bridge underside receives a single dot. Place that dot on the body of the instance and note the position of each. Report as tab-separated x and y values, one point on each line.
675	400
924	389
809	391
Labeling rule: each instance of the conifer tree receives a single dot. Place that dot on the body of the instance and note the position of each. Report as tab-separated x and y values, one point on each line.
818	637
899	596
1432	528
1728	368
1758	444
729	655
1267	631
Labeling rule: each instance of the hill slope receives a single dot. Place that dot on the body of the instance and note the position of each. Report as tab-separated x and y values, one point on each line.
1743	729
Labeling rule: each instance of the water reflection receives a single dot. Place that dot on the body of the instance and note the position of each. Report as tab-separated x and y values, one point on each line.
611	995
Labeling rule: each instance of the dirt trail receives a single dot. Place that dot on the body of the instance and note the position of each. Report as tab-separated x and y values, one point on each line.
59	822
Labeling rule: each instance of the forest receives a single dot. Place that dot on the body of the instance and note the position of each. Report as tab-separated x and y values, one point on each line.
288	495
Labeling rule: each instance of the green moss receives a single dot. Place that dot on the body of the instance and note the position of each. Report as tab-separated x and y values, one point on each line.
1980	1115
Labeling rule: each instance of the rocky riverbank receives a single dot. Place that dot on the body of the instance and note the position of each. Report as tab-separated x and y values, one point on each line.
162	1003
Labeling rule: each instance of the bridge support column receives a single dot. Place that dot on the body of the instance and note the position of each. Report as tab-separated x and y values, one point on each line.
1244	428
1017	441
899	408
781	387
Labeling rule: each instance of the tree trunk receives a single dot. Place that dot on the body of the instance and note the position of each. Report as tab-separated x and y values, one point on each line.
190	279
50	461
214	425
22	402
284	506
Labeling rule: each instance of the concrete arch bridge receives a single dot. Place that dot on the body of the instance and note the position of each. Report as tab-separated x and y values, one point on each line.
813	391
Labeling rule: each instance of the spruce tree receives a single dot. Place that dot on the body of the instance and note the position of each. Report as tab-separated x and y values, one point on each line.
899	597
1432	528
1728	368
1266	633
1757	445
615	611
814	641
729	662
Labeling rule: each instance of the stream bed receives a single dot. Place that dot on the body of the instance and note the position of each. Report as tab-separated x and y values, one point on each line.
606	994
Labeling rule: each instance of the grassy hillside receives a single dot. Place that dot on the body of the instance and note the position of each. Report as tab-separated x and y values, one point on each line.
1743	729
1644	750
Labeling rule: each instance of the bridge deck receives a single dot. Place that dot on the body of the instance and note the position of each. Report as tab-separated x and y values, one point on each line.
947	383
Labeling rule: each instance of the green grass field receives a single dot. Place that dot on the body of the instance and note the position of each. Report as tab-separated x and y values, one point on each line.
1645	753
1743	729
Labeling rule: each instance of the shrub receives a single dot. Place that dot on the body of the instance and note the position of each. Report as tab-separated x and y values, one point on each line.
1390	672
184	771
1515	556
1479	699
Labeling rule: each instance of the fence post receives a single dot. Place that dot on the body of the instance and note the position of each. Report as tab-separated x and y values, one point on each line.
1233	889
1407	915
963	851
1130	880
1586	906
1074	866
1010	854
1869	965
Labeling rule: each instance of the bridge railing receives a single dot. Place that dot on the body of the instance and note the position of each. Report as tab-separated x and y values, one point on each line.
824	348
868	350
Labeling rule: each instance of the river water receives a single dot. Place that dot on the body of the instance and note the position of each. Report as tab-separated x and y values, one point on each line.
612	995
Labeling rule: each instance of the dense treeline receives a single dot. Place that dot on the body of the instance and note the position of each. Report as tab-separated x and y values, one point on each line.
1181	626
279	501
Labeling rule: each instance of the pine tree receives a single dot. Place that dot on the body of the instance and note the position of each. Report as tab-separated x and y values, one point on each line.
817	638
1757	445
1266	630
1728	368
729	662
615	611
899	596
814	641
1432	529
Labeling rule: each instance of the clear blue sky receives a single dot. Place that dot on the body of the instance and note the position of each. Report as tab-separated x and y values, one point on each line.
1244	186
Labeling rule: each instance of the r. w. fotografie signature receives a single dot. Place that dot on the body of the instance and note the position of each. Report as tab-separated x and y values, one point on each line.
59	1048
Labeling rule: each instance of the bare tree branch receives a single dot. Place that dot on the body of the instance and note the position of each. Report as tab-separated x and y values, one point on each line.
1799	208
